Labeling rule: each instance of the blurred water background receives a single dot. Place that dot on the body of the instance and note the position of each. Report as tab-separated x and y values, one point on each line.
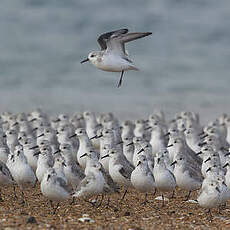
184	65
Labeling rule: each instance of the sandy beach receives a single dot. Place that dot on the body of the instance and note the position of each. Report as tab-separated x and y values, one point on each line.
132	214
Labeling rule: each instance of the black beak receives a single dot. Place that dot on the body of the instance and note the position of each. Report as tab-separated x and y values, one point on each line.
105	156
167	134
34	147
202	144
91	138
16	123
131	143
119	143
225	165
224	183
87	59
217	189
34	119
41	135
169	146
174	162
139	162
202	133
141	150
48	177
36	154
74	135
202	137
100	136
63	163
208	169
34	129
58	151
207	160
158	160
83	155
198	153
227	154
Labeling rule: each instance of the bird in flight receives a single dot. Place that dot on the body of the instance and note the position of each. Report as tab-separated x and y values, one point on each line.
113	57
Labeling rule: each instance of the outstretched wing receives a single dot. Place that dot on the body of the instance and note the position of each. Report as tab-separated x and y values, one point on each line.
102	40
116	43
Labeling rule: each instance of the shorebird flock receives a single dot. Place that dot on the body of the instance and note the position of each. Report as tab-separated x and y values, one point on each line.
84	155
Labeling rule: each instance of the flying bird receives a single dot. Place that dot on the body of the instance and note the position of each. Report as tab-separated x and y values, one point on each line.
113	57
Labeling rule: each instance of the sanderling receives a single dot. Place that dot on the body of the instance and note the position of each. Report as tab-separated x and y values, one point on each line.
11	139
84	145
92	184
109	185
128	149
210	196
157	140
21	171
113	57
6	177
142	178
4	151
164	179
54	187
30	151
45	161
187	177
73	172
120	169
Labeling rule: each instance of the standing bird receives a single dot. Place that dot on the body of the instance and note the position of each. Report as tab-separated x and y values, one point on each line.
113	57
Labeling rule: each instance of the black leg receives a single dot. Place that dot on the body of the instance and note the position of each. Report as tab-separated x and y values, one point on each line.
121	78
35	183
92	203
107	205
163	200
100	203
145	201
73	200
51	204
15	195
55	209
123	197
188	195
173	193
23	198
209	215
1	196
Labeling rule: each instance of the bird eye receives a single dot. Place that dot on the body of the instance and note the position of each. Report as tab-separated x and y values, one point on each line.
92	55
